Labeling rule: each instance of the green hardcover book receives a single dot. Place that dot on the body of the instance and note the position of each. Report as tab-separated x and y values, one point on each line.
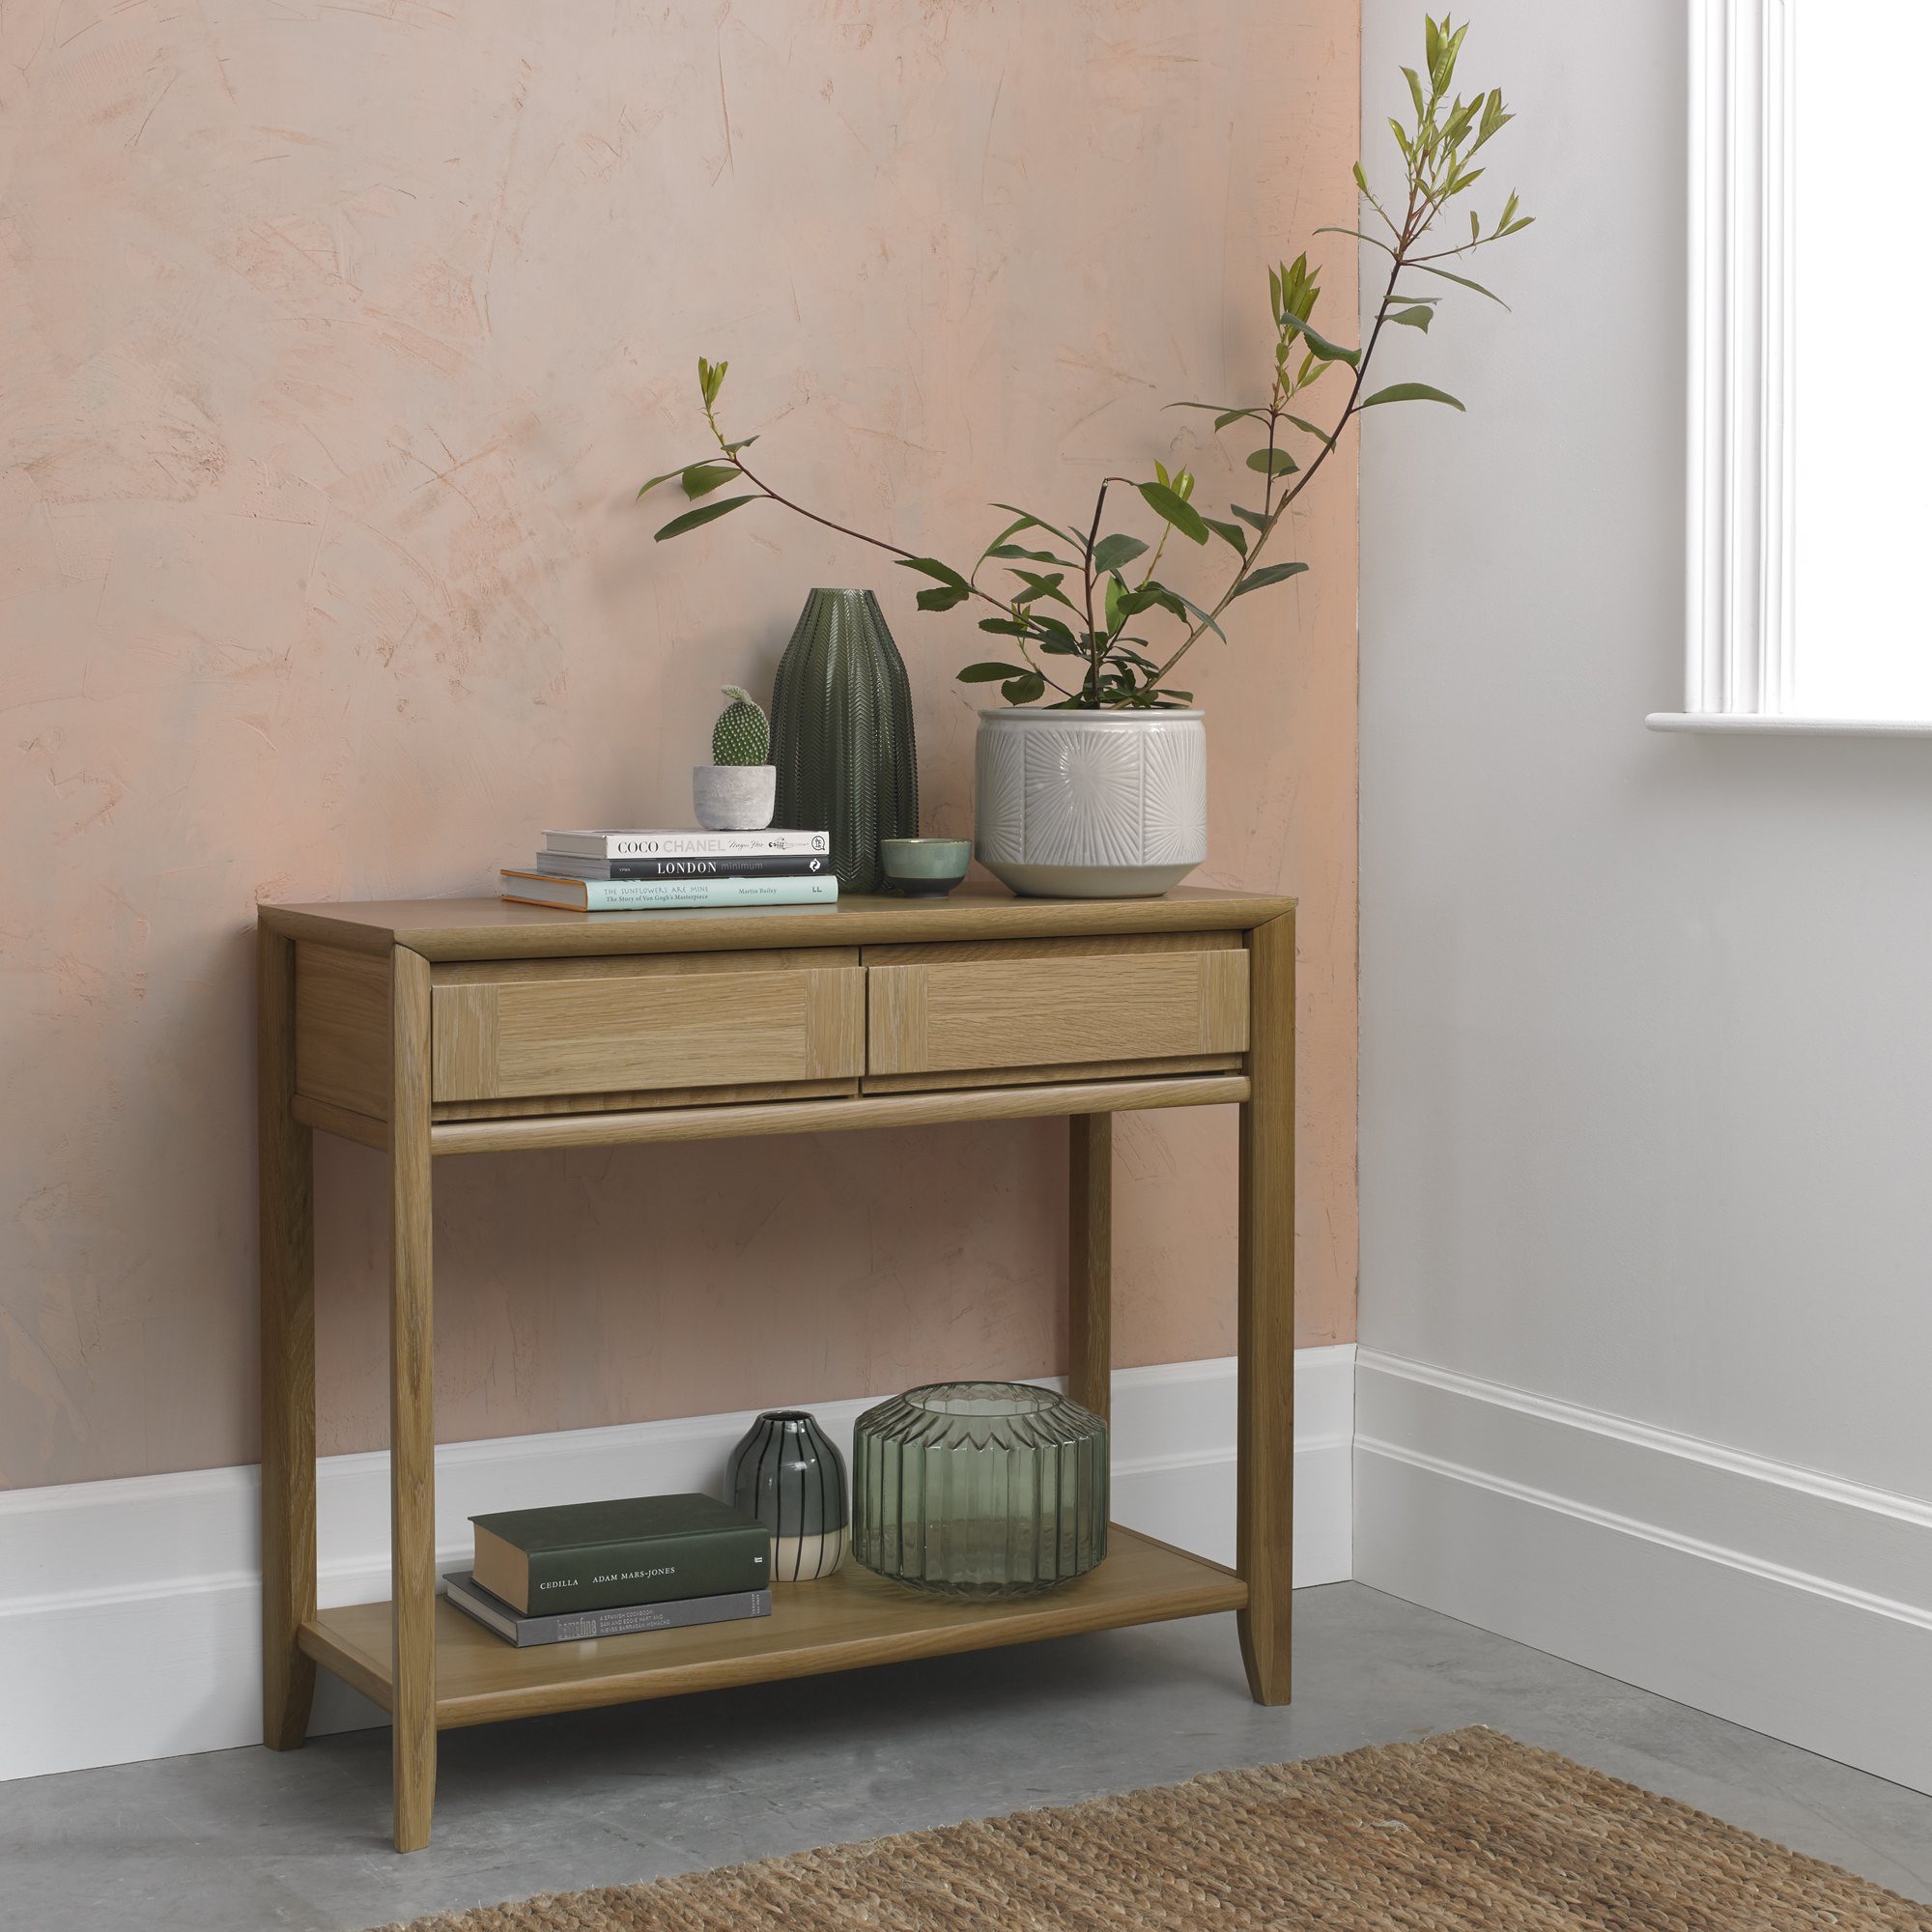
643	1550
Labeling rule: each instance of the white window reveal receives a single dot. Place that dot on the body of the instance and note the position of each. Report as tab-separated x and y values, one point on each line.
1809	597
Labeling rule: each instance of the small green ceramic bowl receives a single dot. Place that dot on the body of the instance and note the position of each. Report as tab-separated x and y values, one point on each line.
925	869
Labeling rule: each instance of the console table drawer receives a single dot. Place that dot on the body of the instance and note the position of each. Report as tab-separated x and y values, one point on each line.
1055	1005
683	1021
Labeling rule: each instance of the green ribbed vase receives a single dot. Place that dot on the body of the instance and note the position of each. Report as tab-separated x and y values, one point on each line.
980	1489
841	735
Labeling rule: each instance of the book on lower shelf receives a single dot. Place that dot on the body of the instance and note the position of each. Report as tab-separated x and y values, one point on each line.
583	1626
620	1553
664	894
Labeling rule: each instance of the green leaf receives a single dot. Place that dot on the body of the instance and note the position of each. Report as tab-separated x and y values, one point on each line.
704	514
1374	241
1409	393
1409	75
743	442
1229	533
1330	351
1302	423
1272	462
645	490
1013	529
942	597
1253	518
1007	550
1461	281
1024	689
1038	523
1163	502
1420	315
1205	618
1112	553
989	673
1006	627
1116	590
1039	585
932	566
701	478
1274	573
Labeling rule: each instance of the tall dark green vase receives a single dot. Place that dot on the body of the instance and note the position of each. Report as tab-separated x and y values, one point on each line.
841	735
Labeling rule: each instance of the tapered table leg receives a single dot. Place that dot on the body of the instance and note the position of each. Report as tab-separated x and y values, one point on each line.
287	1191
1265	1426
1090	1271
412	1407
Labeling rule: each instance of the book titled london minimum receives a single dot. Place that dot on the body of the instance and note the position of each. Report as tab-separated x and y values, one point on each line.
660	894
617	1554
579	1626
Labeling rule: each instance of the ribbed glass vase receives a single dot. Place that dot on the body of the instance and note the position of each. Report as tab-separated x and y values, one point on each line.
843	736
980	1489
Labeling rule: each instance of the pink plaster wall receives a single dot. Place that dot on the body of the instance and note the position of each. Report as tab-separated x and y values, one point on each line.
335	340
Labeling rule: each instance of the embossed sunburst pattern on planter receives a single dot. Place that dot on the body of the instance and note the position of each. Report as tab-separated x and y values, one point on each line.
1000	788
1082	797
1174	797
1079	805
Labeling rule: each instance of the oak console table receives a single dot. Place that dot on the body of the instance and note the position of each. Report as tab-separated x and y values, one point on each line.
436	1027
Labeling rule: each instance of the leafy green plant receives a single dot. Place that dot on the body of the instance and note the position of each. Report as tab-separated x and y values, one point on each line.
1072	615
742	734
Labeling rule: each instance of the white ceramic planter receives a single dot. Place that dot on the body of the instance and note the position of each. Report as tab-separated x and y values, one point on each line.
734	798
1090	804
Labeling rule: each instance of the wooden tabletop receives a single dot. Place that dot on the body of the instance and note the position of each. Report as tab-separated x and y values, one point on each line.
495	928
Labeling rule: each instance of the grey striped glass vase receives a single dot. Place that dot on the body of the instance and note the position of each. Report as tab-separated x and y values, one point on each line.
841	735
788	1473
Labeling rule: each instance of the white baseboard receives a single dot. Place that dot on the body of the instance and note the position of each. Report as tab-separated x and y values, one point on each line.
1787	1601
130	1611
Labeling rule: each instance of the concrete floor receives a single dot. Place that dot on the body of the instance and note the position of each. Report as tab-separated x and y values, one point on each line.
243	1841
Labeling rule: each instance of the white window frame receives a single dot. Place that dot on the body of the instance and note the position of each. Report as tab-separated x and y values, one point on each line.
1740	658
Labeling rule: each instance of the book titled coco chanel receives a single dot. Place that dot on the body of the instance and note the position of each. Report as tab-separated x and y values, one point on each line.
642	1549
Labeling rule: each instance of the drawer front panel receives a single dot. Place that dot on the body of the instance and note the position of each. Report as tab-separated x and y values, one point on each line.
1048	1012
518	1038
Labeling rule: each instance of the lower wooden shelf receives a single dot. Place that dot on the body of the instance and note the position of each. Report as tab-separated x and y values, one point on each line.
845	1622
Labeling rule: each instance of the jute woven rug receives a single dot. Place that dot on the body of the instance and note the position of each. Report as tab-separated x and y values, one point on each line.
1467	1833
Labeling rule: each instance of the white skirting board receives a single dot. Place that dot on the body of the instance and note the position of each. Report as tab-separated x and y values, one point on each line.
1787	1601
130	1611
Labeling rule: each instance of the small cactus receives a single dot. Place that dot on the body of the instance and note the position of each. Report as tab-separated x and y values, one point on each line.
742	736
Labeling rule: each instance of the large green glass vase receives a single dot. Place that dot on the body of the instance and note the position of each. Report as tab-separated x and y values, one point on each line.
841	735
980	1489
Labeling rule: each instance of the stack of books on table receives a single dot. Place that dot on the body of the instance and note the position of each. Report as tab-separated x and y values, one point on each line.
608	1569
637	872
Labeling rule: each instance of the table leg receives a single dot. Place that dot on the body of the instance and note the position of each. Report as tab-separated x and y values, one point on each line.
412	1408
1266	1425
287	1191
1090	1269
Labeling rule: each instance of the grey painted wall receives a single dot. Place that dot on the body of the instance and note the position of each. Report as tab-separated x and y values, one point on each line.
1646	1021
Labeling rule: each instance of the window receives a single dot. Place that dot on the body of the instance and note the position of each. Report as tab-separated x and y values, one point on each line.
1808	603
